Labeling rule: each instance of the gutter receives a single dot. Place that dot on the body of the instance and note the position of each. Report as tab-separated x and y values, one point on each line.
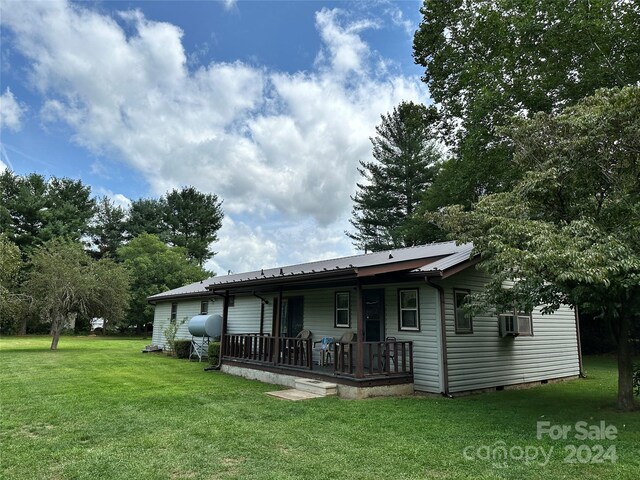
443	337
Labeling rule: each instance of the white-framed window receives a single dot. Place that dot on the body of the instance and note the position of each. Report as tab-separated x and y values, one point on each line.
174	312
343	310
408	311
204	307
463	319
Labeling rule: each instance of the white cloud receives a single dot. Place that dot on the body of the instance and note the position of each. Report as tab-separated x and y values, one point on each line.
118	199
10	111
271	144
241	249
229	4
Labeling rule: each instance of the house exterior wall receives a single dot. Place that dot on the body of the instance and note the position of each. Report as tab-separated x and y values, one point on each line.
244	316
319	319
483	359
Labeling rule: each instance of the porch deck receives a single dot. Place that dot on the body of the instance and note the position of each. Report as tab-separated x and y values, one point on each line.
380	363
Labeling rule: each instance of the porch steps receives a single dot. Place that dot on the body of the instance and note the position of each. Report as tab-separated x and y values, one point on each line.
317	387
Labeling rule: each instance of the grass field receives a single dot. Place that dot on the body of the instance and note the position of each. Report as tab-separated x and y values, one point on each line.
98	408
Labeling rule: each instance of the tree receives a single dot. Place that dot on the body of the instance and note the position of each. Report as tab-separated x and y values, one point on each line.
34	210
154	267
488	60
108	229
11	301
193	219
570	230
65	282
404	166
68	210
146	215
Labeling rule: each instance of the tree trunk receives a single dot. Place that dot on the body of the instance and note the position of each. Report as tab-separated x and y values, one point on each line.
56	328
23	325
625	366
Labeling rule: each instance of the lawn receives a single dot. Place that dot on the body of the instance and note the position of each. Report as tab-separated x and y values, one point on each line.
98	408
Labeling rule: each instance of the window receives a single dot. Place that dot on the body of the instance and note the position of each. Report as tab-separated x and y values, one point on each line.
408	316
343	310
513	324
463	320
204	307
174	312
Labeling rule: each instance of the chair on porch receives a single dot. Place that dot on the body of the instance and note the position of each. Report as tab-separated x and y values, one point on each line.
324	350
389	351
296	353
347	352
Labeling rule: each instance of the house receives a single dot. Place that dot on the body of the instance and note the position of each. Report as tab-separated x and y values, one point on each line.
404	312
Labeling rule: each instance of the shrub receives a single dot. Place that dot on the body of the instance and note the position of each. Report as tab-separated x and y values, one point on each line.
214	353
636	379
182	348
170	334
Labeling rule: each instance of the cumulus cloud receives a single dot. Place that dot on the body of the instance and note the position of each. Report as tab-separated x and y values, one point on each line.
118	199
10	111
271	144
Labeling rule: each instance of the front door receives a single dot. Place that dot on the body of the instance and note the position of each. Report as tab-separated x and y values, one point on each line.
292	316
373	312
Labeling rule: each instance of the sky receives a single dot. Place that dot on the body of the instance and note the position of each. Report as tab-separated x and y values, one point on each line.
268	104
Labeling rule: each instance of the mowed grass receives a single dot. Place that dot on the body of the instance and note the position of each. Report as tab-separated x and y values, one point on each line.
99	408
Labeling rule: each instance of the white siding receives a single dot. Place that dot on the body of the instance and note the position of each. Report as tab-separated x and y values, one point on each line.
426	342
244	316
319	319
483	359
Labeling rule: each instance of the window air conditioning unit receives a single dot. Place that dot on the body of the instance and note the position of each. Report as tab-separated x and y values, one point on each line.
508	325
513	324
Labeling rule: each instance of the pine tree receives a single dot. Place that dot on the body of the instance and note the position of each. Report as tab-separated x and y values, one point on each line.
406	159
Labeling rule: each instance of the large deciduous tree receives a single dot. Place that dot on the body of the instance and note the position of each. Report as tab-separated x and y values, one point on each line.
154	267
193	219
66	282
487	60
406	158
570	230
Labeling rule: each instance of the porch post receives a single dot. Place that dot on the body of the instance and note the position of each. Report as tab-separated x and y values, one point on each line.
225	317
278	320
359	332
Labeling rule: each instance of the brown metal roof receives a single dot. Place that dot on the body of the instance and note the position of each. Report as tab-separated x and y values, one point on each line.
422	258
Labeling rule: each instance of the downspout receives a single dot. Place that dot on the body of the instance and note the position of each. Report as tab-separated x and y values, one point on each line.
443	337
577	317
225	316
263	301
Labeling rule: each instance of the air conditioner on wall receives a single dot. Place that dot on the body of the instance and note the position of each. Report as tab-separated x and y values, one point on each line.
508	325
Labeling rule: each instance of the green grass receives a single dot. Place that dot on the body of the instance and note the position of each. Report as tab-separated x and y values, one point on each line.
98	408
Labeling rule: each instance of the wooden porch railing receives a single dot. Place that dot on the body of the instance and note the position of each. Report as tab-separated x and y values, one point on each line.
380	358
293	352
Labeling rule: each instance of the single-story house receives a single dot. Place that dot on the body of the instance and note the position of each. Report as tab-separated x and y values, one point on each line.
379	323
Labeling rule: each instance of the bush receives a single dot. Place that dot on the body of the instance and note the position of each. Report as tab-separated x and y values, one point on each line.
214	353
182	348
636	379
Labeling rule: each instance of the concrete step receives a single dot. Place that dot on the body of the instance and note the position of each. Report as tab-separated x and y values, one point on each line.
293	394
317	387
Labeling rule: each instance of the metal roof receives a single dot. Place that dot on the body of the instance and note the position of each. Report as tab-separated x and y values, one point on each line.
443	255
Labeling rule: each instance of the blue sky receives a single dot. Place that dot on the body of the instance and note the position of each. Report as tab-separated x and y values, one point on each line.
268	104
